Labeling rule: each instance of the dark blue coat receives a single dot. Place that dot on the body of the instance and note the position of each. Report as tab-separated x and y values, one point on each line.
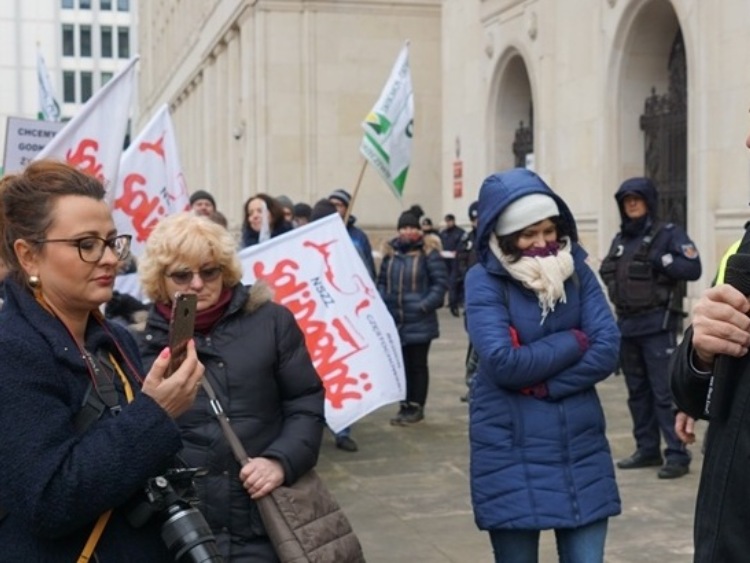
250	237
537	463
362	244
672	254
55	483
412	282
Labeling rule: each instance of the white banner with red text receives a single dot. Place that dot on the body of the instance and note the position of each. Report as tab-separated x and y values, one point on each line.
316	273
92	141
150	183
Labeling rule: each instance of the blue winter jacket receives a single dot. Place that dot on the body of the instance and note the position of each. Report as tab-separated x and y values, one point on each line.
545	462
362	244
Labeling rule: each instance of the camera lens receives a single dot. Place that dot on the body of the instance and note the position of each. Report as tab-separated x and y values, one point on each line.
188	538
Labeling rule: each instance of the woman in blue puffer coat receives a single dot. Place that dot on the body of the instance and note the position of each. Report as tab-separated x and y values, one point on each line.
545	336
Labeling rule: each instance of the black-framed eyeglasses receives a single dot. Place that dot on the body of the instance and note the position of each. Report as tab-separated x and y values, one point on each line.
91	248
184	277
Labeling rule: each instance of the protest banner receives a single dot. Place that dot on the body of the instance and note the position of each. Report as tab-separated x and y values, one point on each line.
389	127
92	141
316	273
150	183
49	108
24	138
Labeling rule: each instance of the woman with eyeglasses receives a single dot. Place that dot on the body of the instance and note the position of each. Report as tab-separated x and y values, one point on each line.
258	365
84	426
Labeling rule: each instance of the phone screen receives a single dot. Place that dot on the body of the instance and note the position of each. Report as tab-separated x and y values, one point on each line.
181	328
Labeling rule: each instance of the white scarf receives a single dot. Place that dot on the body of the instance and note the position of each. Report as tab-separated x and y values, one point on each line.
545	275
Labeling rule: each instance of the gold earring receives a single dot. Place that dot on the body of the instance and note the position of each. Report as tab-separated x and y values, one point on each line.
34	281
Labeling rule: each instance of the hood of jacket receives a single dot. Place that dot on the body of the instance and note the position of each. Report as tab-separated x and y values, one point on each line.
429	243
642	187
500	190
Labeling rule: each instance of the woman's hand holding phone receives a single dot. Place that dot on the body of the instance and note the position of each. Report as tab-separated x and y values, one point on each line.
175	393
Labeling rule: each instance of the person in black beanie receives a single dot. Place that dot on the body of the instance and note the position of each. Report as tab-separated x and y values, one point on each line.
202	203
301	214
413	280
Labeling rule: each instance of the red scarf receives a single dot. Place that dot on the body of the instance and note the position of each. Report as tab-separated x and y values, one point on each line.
204	320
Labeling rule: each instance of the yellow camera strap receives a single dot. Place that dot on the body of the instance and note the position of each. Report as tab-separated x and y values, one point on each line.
94	537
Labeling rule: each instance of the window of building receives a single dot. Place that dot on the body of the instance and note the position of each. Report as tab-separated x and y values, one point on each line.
106	41
105	5
67	4
87	86
68	38
123	42
106	77
84	4
69	87
123	5
85	40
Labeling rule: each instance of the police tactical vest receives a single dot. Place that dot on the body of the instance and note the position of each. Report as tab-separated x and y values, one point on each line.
632	283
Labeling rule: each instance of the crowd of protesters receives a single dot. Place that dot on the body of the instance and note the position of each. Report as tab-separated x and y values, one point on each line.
541	335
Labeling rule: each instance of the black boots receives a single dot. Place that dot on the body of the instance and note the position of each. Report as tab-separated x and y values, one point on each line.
639	460
409	413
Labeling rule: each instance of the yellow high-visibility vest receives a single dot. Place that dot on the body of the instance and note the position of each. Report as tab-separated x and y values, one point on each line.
723	264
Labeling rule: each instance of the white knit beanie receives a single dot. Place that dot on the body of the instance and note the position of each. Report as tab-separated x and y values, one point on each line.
525	211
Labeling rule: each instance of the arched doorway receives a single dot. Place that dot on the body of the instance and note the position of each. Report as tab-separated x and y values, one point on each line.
664	125
511	114
651	93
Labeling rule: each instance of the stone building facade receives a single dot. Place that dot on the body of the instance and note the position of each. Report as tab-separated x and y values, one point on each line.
268	95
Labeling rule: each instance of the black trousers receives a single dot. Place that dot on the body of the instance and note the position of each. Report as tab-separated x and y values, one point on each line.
417	372
645	363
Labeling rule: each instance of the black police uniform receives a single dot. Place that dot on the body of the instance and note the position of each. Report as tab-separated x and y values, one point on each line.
645	264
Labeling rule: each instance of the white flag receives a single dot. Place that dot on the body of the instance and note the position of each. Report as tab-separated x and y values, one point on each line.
389	126
150	184
316	273
92	141
49	109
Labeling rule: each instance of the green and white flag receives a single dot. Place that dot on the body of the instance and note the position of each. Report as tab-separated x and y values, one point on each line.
49	109
389	126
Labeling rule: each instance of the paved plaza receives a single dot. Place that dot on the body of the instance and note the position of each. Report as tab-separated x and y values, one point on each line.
406	491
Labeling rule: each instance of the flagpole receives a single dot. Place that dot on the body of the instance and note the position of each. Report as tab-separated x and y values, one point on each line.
355	191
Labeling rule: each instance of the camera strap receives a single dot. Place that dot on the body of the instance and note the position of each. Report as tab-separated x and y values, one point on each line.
102	395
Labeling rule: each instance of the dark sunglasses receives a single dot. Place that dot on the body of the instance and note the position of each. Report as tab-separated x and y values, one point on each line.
184	277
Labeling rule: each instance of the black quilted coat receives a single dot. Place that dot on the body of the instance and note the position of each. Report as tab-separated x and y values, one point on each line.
256	360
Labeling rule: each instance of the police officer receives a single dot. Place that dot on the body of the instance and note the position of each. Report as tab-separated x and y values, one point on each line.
647	260
451	237
466	257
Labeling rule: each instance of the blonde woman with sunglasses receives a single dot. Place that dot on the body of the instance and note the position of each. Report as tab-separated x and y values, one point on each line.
257	363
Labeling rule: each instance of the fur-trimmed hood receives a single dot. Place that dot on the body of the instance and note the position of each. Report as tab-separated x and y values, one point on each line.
428	244
258	294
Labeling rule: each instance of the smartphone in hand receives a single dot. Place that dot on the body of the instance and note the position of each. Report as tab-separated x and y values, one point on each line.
181	328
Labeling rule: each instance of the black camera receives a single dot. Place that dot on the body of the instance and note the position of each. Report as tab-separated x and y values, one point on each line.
170	497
